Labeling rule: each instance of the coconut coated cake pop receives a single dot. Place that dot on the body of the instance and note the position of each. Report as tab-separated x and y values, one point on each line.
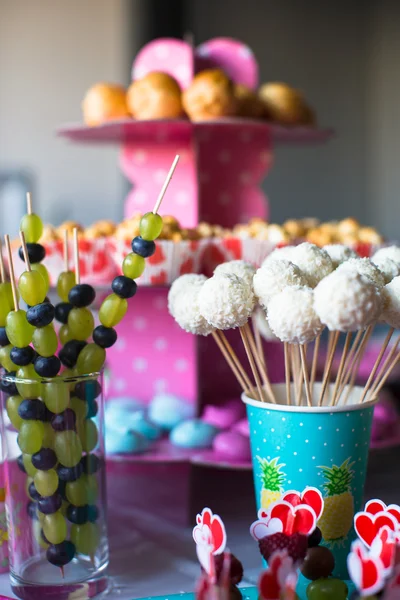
241	268
347	301
292	317
339	253
226	301
284	253
179	285
365	267
392	252
391	300
314	263
388	267
273	277
186	310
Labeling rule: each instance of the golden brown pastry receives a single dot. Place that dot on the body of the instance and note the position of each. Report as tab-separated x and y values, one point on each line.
369	235
349	226
282	103
128	229
49	234
155	96
295	229
248	104
209	96
104	102
69	226
100	229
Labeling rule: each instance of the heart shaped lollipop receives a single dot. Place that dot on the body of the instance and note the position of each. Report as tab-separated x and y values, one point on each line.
367	525
310	496
366	571
295	519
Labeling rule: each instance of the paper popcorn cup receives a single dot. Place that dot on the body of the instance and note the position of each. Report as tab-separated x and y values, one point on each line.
324	447
219	250
170	260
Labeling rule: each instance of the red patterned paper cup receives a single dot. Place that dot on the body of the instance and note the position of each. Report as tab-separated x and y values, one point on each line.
219	250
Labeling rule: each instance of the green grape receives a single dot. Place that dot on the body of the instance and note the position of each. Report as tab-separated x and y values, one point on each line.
12	405
18	330
29	468
92	488
88	435
64	334
327	589
32	287
91	359
85	537
55	528
56	395
37	532
79	407
77	492
46	482
66	281
30	437
150	226
39	268
49	436
80	323
5	360
133	265
5	305
68	448
28	389
45	340
69	374
41	517
112	310
32	226
64	508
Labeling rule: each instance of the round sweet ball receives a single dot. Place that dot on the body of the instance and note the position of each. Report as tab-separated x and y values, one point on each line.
315	263
232	445
193	434
209	96
284	253
179	285
292	317
347	301
339	253
260	320
126	442
364	266
392	252
166	411
155	96
104	102
283	103
388	267
391	303
273	277
248	103
139	423
241	268
226	301
186	310
319	562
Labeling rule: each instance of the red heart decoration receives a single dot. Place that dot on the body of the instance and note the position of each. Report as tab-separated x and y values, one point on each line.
160	279
268	586
384	547
374	506
186	267
295	519
217	529
310	496
365	571
234	245
158	256
367	526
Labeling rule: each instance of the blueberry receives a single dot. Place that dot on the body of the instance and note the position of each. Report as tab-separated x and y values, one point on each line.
124	287
143	247
92	513
70	352
81	295
31	509
41	314
7	384
20	463
77	514
33	493
63	421
93	409
47	366
60	554
61	488
62	311
70	473
105	337
33	409
22	356
4	341
45	459
90	463
315	538
36	253
50	504
88	390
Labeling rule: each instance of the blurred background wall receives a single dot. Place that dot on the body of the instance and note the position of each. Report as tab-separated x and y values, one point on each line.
342	54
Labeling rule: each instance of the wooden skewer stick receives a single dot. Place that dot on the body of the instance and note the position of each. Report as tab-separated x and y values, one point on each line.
328	366
287	373
258	340
356	365
236	360
229	360
165	185
25	251
66	250
295	373
299	373
260	365
252	363
341	367
382	382
384	367
12	274
314	364
29	203
377	363
76	256
350	362
328	350
303	357
2	269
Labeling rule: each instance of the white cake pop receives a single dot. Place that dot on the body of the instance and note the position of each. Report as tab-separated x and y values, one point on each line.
388	267
292	317
392	252
226	301
339	253
283	253
391	302
179	285
273	277
365	267
241	268
261	322
347	301
186	311
313	262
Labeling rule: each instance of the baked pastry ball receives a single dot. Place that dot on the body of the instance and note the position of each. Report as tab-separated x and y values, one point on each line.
248	104
155	96
210	96
283	103
104	102
100	229
69	226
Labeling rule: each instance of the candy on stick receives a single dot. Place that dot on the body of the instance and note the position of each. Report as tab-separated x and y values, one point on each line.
339	253
292	317
241	268
284	253
392	252
388	267
313	262
273	277
363	266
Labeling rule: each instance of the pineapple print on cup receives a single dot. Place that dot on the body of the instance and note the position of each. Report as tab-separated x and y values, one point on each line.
337	518
272	478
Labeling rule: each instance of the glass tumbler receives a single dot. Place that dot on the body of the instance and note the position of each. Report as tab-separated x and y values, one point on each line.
53	438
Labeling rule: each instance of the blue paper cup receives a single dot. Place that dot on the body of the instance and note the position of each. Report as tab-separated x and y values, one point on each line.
324	447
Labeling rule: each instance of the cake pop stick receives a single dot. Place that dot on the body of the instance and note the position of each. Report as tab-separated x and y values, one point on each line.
236	360
303	357
261	366
384	369
252	363
382	381
350	362
355	366
327	374
341	367
314	364
287	373
377	362
229	360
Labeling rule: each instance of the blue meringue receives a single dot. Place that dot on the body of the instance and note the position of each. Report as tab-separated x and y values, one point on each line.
193	434
128	442
166	411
